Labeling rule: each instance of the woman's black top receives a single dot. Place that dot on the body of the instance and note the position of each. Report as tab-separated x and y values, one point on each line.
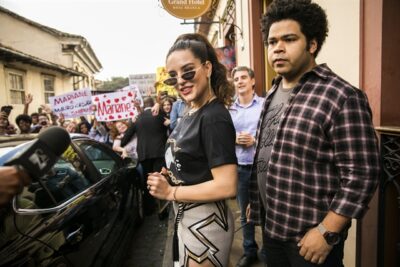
201	141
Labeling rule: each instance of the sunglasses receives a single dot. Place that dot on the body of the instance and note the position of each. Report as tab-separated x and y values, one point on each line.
187	76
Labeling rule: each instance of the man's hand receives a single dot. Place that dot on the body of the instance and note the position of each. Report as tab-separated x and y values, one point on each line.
245	139
12	182
313	247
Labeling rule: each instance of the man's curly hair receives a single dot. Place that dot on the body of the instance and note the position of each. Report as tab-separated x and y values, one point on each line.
311	17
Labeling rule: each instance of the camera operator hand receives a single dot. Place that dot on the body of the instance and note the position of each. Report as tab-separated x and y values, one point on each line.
12	182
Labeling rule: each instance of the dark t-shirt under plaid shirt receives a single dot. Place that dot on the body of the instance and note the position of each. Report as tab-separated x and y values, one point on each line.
324	157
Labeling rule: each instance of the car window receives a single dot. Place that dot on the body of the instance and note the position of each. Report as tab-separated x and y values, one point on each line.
67	178
101	157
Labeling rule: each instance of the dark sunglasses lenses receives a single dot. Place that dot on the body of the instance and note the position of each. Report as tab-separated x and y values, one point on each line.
186	76
170	81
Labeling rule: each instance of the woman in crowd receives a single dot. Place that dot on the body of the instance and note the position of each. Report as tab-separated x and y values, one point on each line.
83	127
130	149
200	156
166	107
100	131
70	126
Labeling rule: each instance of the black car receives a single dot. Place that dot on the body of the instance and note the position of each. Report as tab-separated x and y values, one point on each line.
83	212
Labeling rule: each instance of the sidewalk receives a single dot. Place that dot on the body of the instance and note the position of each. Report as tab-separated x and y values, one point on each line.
237	249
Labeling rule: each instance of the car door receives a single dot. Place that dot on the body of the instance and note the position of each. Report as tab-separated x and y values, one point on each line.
123	185
53	215
64	218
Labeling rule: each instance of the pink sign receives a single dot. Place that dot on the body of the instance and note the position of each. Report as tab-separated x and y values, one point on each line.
114	106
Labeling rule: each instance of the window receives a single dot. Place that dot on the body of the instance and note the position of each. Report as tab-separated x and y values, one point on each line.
67	178
16	86
48	84
101	157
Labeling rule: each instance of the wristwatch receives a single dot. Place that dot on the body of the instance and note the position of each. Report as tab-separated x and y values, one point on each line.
331	238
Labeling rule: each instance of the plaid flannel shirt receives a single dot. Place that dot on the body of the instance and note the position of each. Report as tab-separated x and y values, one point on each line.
325	156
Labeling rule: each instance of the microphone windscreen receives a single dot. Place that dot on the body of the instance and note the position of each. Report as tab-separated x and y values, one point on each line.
56	138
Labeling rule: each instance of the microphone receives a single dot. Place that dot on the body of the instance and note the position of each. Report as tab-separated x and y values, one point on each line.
40	156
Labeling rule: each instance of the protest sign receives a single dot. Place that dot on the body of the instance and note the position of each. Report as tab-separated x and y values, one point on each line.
72	105
115	106
134	89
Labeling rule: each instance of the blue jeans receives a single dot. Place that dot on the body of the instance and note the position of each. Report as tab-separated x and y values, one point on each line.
249	243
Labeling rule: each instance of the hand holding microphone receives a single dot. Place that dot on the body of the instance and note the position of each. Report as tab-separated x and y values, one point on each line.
32	162
12	181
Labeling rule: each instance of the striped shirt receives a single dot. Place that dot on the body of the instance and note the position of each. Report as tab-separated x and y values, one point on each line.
324	156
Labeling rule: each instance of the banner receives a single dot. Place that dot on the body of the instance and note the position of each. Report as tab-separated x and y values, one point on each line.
72	105
115	106
134	89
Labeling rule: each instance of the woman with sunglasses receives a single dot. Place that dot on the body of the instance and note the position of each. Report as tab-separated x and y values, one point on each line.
200	156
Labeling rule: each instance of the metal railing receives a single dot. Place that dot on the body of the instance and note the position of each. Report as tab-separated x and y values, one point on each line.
389	198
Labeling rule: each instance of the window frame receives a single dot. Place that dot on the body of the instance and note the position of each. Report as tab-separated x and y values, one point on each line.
48	93
11	91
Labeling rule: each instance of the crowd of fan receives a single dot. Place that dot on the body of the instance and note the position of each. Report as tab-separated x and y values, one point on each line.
105	132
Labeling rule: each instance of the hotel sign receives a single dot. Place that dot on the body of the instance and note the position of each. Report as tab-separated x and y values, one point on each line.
186	9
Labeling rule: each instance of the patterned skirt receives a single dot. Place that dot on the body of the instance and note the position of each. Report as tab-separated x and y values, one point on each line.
204	232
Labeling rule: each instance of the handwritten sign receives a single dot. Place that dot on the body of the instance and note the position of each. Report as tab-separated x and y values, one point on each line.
115	106
72	105
134	89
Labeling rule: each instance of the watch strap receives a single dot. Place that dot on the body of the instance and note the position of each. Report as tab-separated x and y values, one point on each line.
321	228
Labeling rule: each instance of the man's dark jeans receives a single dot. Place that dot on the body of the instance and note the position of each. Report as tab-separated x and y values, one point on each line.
249	244
286	254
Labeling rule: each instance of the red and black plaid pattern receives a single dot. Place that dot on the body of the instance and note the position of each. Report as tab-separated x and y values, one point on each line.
325	156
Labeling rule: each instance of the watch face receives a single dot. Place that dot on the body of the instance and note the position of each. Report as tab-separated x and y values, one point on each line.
332	238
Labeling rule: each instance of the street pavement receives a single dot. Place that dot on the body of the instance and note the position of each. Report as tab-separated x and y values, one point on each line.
152	243
148	243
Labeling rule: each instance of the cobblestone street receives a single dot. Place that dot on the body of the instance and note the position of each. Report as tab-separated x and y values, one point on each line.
148	244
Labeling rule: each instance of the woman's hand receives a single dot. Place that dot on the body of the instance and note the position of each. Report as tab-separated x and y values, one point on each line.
124	153
167	122
158	186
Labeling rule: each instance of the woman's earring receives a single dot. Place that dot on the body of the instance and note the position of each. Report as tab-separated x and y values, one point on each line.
209	83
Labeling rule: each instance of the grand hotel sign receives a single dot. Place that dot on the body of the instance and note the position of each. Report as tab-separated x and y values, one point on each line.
186	9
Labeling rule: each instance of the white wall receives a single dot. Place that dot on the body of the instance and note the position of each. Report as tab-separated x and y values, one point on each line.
341	52
341	48
243	44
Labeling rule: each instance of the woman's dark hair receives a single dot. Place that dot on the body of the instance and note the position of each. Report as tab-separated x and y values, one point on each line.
88	126
311	17
203	50
23	117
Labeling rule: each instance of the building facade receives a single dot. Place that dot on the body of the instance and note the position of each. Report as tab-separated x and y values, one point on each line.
42	61
145	82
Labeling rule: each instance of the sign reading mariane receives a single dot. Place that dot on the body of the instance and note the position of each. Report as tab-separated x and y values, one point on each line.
72	105
115	106
186	9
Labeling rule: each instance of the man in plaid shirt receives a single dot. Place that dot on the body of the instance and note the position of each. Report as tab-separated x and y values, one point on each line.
317	158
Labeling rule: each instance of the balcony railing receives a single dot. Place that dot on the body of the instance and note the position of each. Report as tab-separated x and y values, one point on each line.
389	198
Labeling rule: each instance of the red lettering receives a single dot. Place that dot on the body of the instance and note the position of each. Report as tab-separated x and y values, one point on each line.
104	109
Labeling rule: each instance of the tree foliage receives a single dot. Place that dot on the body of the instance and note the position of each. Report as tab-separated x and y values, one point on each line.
114	84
